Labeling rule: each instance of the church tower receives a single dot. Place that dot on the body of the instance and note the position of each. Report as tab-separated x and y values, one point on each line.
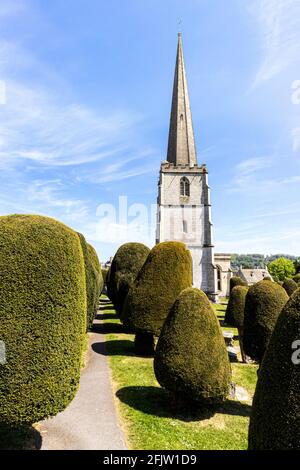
184	209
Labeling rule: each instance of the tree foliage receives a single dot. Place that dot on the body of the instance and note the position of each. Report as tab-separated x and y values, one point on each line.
264	302
275	420
166	272
124	269
42	317
281	269
191	357
252	261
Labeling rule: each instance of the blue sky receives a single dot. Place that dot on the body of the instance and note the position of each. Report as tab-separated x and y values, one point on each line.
85	95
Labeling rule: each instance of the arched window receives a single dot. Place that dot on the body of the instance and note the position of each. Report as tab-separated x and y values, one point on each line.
184	226
184	187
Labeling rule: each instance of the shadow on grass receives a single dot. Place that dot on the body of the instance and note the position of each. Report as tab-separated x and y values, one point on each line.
106	307
19	438
108	328
114	348
159	402
106	316
105	300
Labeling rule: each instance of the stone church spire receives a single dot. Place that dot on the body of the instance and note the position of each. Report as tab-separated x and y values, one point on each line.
181	146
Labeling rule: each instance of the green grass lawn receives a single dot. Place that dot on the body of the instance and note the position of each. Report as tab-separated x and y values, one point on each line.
146	411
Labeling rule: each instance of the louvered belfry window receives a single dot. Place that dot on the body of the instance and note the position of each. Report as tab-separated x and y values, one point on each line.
184	187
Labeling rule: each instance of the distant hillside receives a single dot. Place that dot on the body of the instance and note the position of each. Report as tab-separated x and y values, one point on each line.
251	261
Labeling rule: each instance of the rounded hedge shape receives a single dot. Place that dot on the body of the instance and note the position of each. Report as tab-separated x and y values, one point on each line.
236	281
125	267
236	306
107	281
42	317
99	277
191	357
95	260
275	420
93	280
166	272
290	286
264	302
297	278
104	276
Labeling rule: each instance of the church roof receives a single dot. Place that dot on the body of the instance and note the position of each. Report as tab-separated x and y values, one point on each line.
252	276
181	146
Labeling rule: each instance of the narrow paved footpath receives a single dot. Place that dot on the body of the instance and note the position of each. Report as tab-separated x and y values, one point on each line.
90	422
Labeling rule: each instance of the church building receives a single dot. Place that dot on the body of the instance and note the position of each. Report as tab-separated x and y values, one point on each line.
184	208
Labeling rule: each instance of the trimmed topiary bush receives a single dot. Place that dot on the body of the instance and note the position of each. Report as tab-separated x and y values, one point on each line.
290	286
264	302
125	267
297	278
95	260
275	420
108	284
93	280
97	266
236	305
191	357
104	276
166	272
235	313
236	281
42	317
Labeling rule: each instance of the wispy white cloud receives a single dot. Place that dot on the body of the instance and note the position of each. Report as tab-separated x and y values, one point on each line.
246	171
50	194
38	128
50	143
250	177
121	169
253	236
279	22
262	243
287	210
43	123
251	165
115	232
46	197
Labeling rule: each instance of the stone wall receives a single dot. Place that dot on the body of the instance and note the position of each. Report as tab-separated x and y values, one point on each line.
188	219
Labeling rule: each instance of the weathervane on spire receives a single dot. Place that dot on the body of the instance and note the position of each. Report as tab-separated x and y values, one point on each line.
179	27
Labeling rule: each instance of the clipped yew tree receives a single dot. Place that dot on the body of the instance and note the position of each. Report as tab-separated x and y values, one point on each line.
107	282
290	286
98	270
93	280
275	420
125	267
166	272
104	272
236	305
191	359
42	317
297	278
236	281
235	313
264	302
